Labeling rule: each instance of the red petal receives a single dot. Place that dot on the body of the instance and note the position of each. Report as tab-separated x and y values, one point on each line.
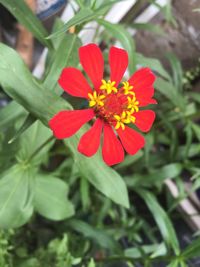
66	123
90	141
146	101
142	81
131	140
92	61
74	83
112	149
118	60
144	119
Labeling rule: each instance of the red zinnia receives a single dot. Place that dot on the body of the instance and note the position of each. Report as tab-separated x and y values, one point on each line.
112	108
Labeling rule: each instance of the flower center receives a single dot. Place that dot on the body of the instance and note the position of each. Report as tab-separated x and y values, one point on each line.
115	106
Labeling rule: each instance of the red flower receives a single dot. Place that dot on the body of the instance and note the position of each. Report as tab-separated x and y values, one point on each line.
112	108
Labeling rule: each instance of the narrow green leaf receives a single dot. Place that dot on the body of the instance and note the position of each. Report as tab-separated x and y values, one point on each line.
50	198
192	251
148	27
169	171
162	220
152	63
125	38
96	235
173	263
82	16
25	16
65	55
196	129
146	249
16	201
169	91
176	70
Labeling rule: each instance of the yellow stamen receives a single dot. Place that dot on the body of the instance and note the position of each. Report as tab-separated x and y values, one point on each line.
133	104
127	88
109	86
125	118
95	99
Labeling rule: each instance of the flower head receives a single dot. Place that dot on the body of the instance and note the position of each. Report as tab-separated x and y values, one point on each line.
113	108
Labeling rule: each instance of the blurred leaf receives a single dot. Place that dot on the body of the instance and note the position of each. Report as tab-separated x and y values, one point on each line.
85	193
174	263
192	251
196	10
169	91
148	27
10	113
91	263
82	16
189	137
146	249
176	70
50	198
125	38
25	16
104	178
152	63
166	172
96	235
65	55
162	220
195	96
196	129
16	201
129	160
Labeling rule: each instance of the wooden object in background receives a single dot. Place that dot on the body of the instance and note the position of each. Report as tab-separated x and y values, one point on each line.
25	41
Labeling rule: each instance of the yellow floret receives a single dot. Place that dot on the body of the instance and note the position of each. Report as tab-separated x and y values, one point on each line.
109	86
95	99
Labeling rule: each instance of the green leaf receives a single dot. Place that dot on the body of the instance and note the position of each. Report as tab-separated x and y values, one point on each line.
192	251
125	38
152	63
29	120
163	221
10	113
16	201
96	235
65	55
148	27
169	91
50	198
173	263
166	172
20	85
82	16
91	263
196	129
36	135
104	178
176	70
26	17
145	250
